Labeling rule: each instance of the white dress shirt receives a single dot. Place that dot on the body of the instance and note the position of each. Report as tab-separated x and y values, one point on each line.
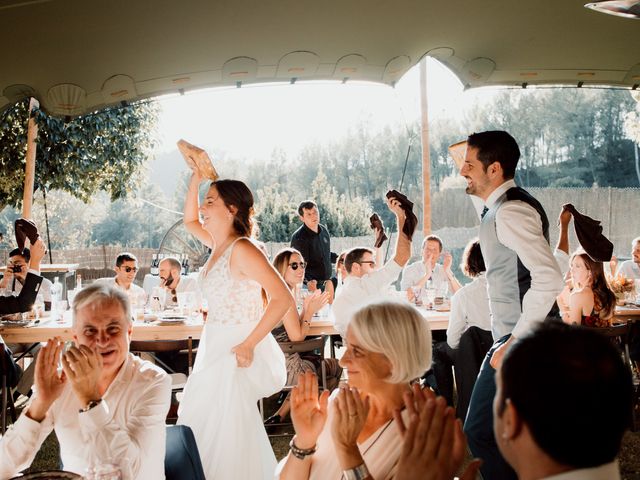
608	471
414	272
629	269
519	227
127	426
469	308
357	292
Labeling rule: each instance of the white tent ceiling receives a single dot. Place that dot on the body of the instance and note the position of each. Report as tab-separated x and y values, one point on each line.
79	55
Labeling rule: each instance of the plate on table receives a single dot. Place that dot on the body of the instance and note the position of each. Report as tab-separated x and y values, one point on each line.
172	319
443	308
14	320
49	475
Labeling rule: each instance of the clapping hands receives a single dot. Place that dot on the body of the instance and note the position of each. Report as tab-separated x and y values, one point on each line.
434	444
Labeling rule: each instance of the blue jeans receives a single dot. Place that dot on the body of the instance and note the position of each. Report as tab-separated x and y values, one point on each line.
478	425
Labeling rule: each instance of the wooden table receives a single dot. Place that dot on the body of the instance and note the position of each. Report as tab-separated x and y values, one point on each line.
155	331
141	331
626	313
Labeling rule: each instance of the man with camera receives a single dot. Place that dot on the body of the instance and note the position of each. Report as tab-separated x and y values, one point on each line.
15	276
25	300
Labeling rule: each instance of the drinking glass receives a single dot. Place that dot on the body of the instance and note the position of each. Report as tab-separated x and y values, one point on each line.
417	293
430	295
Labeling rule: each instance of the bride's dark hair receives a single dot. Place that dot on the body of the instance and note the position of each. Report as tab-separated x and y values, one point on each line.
236	193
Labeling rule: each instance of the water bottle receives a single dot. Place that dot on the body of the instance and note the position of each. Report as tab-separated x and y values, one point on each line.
56	291
154	265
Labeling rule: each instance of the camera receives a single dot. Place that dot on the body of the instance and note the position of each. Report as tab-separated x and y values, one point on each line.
16	268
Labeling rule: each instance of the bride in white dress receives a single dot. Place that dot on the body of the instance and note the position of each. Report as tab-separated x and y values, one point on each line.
238	360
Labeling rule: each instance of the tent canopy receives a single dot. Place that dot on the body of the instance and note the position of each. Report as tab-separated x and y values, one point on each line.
76	56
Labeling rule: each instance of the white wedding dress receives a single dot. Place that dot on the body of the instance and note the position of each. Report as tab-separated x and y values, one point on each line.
220	399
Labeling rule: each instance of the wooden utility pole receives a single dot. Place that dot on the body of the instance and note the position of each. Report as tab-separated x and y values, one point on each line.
30	168
426	159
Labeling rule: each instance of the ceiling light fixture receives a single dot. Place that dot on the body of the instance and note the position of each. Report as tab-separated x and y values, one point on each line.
620	8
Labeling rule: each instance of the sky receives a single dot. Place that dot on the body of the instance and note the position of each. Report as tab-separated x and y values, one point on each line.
254	120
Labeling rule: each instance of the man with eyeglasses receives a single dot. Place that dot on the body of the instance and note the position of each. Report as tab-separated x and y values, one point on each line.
173	284
365	283
126	269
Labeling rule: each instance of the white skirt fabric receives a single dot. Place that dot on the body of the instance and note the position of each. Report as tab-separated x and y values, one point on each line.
220	403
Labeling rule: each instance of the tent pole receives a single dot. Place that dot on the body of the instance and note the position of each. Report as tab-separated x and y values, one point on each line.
30	168
426	160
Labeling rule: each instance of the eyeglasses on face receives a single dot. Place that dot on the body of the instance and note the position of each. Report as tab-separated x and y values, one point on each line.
130	269
295	265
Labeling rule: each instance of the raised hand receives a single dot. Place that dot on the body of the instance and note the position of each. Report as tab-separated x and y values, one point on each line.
349	416
447	260
38	251
83	367
49	383
314	302
244	354
308	411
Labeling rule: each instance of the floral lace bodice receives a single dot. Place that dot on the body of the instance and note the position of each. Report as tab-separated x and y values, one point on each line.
230	301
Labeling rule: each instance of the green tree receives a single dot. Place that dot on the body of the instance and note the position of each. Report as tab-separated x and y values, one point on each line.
102	151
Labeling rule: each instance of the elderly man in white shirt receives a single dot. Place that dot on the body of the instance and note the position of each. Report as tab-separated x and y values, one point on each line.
364	283
106	405
425	270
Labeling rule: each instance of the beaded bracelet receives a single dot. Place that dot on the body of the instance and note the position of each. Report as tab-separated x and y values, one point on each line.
300	453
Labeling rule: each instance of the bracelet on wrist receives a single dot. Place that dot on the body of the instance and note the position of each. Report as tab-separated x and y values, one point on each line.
358	473
300	453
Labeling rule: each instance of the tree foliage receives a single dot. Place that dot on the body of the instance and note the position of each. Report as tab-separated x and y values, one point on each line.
102	151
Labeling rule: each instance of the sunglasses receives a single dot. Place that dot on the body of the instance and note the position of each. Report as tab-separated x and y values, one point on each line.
370	262
295	265
174	296
130	269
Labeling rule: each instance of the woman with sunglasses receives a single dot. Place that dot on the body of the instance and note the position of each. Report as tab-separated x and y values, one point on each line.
295	327
238	361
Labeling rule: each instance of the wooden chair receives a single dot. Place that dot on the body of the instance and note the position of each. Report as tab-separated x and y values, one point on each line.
178	380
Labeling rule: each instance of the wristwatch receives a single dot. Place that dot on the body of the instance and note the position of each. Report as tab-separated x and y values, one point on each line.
90	405
358	473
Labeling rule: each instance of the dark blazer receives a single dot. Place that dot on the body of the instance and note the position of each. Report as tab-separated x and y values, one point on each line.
26	299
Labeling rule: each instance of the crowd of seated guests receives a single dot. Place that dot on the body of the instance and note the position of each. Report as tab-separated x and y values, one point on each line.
377	423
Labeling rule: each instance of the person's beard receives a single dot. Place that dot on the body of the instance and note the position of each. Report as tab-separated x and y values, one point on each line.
168	281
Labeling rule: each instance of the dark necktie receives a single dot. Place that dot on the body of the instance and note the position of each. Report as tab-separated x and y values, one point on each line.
484	212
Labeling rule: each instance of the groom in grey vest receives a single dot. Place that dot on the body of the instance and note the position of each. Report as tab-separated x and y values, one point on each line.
523	277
